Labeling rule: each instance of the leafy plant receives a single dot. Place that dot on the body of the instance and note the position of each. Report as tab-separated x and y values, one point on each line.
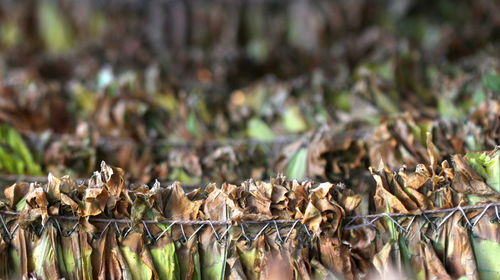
492	81
15	157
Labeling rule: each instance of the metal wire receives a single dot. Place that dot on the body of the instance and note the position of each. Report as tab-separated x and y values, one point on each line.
370	220
280	140
278	225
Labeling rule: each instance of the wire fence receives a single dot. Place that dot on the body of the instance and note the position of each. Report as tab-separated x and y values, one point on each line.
283	227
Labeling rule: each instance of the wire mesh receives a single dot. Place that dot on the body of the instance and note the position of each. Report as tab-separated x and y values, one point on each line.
282	227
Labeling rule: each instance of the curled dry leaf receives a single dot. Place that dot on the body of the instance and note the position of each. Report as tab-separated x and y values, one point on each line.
15	193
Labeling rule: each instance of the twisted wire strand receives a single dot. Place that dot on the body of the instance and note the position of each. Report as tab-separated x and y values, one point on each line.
278	225
279	140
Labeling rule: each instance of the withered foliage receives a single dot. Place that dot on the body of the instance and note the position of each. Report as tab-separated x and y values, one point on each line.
319	247
380	74
393	106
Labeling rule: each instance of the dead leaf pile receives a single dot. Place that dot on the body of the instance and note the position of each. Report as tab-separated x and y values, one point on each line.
319	246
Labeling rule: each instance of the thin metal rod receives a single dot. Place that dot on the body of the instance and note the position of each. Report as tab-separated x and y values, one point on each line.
428	212
374	217
128	221
106	141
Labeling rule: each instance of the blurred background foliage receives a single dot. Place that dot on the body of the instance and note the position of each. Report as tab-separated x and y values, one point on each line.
233	42
75	73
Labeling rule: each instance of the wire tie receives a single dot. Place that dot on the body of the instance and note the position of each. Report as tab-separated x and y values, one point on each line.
290	231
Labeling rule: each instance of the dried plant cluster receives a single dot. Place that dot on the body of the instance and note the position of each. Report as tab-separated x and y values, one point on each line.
87	248
391	107
246	71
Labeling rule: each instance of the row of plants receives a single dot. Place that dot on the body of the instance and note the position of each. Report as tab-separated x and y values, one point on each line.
185	141
88	248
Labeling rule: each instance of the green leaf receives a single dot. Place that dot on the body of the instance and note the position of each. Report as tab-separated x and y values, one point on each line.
341	100
138	268
165	262
384	102
84	98
293	121
192	124
492	81
54	29
163	255
406	254
167	101
15	157
9	163
213	258
139	207
44	256
257	99
15	266
472	144
87	261
178	174
487	253
204	112
10	33
446	108
16	143
297	167
248	258
478	97
386	70
21	205
66	260
258	49
258	129
419	130
97	24
390	224
488	167
197	267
